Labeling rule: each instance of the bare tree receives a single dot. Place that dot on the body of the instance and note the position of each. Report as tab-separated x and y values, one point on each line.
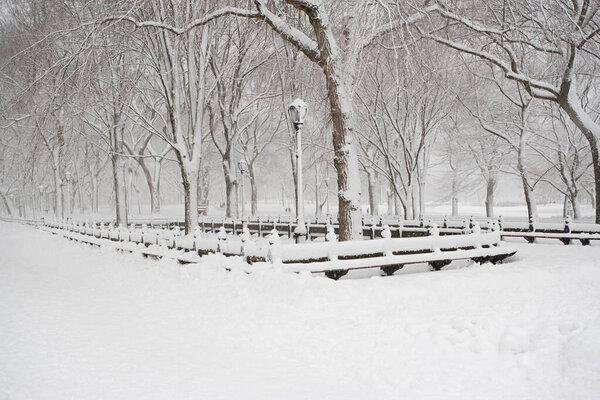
505	112
180	62
563	148
255	139
544	46
233	60
402	116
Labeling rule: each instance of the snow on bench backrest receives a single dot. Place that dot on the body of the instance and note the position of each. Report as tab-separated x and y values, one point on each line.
358	248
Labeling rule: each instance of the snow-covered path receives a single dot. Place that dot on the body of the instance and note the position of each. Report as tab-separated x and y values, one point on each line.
83	323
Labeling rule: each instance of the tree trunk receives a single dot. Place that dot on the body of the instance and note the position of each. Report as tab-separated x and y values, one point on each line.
253	191
6	203
129	187
317	200
399	208
372	192
390	202
529	199
591	194
80	195
454	206
20	205
575	205
231	206
190	195
590	130
151	181
155	200
345	158
119	187
58	197
489	197
64	199
527	189
414	204
73	192
421	199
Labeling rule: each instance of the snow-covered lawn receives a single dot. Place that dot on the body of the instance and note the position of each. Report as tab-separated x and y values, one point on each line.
434	210
78	322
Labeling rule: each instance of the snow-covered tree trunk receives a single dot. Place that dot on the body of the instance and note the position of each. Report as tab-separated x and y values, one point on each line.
58	166
591	130
190	194
390	201
489	196
129	186
524	175
401	209
414	203
80	193
253	191
58	186
575	204
345	159
231	206
118	167
6	204
155	199
528	192
153	183
421	198
454	206
372	192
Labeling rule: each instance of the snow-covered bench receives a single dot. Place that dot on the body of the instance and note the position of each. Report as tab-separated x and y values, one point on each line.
389	254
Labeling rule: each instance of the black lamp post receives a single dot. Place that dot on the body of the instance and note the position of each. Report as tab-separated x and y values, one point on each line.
297	111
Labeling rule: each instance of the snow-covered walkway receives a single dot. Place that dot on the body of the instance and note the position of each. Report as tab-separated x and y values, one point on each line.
83	323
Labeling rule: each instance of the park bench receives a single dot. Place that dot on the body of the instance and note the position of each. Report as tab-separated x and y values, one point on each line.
389	254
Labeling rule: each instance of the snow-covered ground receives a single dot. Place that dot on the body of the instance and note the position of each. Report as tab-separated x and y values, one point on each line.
83	323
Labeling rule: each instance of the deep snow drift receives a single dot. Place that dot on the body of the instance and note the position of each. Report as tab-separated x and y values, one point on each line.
82	323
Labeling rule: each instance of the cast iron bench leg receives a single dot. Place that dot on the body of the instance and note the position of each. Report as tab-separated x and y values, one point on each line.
481	260
391	269
565	240
437	265
585	242
336	274
499	258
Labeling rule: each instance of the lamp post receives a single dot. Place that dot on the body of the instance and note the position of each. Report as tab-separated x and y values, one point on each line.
242	166
297	111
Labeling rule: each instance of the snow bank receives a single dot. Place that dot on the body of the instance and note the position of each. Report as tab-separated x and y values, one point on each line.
77	322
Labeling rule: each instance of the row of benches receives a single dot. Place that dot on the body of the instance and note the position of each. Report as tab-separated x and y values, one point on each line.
332	258
566	232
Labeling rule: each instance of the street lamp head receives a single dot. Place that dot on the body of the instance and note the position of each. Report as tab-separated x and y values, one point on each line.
297	111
